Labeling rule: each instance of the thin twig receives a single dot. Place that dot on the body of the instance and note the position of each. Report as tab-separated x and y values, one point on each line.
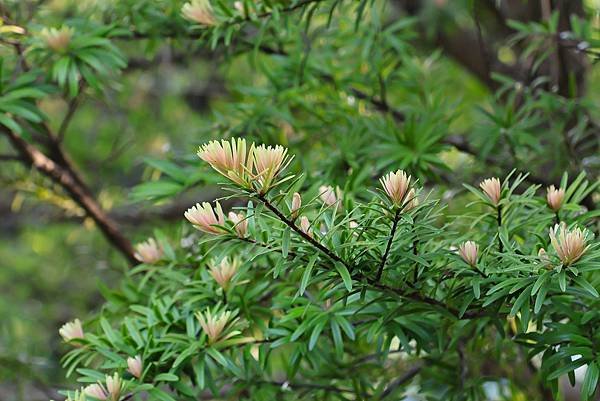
73	104
388	246
297	229
405	378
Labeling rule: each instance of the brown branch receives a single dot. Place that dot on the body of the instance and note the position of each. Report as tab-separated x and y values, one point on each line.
389	245
405	378
328	252
71	108
65	178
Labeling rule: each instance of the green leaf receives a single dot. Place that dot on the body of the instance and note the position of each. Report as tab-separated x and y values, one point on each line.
158	394
166	377
519	302
343	271
583	283
285	242
307	273
590	381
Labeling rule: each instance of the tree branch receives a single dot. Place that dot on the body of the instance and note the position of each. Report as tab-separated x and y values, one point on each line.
389	245
329	253
65	178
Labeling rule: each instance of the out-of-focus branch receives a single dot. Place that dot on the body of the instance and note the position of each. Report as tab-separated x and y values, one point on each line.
64	177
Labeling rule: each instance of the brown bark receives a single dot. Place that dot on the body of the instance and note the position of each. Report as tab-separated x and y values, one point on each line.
66	178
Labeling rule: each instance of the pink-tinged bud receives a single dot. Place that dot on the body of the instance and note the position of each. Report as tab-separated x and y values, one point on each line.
268	163
305	225
148	252
328	195
412	200
468	251
71	330
240	223
396	186
205	219
230	159
199	11
96	391
296	204
544	258
213	325
353	225
114	385
492	189
569	245
555	197
224	271
57	39
134	366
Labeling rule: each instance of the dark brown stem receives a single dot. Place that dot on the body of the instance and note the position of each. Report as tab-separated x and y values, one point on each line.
388	246
499	220
64	177
72	107
329	253
405	378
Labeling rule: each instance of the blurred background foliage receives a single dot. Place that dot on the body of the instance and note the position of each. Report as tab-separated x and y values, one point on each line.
449	90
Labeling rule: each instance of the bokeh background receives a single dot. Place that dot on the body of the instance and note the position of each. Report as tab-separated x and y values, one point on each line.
438	60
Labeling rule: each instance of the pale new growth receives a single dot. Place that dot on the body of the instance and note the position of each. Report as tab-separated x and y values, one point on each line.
296	204
148	252
328	195
396	186
224	271
555	197
205	219
57	39
492	189
71	330
269	162
258	165
305	225
240	223
468	251
214	325
199	11
569	245
96	391
114	385
544	258
229	158
134	366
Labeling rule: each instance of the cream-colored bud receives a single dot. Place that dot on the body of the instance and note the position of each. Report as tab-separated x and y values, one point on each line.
114	385
148	252
492	189
569	245
199	11
328	195
296	204
555	197
240	223
134	366
57	39
71	330
224	271
305	225
469	252
396	185
205	219
213	325
96	391
269	162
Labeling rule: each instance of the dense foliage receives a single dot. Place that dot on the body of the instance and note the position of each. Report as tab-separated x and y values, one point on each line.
334	252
